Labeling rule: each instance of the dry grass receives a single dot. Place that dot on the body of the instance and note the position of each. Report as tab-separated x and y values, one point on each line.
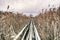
48	24
11	24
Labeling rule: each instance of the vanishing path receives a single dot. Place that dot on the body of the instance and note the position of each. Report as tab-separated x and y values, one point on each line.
29	32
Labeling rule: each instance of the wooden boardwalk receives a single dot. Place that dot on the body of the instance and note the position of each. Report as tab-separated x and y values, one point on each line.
29	32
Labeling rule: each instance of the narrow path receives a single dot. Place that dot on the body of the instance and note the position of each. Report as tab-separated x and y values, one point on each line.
29	32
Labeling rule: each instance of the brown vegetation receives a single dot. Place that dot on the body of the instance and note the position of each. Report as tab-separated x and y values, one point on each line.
11	24
48	24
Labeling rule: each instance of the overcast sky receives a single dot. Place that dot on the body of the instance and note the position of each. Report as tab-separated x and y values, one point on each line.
28	6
